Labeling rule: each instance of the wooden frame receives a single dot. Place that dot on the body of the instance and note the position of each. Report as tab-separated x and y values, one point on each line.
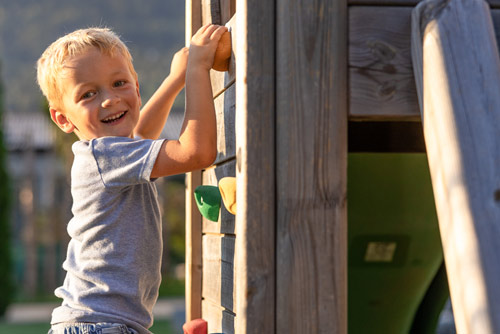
280	265
193	217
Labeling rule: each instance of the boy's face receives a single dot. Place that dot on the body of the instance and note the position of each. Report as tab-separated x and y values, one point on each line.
100	97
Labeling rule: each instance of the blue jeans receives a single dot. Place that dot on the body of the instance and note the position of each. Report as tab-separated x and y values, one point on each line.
90	328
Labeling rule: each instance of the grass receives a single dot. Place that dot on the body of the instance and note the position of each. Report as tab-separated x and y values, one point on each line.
160	327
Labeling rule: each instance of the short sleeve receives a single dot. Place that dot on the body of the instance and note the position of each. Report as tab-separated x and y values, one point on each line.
125	161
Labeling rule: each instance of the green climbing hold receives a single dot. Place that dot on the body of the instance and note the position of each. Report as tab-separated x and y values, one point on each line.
208	199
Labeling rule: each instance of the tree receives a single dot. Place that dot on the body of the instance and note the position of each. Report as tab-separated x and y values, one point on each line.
6	284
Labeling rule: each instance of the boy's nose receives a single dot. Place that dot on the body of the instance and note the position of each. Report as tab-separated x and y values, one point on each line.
109	100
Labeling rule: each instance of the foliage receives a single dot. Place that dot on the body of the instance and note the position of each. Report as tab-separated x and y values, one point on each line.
5	258
171	287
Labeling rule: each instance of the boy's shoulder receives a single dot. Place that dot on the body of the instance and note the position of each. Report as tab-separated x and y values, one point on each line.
103	144
116	160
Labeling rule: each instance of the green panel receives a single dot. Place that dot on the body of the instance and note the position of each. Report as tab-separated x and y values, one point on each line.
394	243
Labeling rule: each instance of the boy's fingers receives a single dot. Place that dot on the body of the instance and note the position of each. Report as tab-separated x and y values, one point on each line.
219	32
205	27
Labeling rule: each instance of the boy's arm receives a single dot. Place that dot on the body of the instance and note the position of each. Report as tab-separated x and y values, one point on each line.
196	147
155	113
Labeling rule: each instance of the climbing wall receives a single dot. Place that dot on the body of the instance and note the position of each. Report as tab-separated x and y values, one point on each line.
211	245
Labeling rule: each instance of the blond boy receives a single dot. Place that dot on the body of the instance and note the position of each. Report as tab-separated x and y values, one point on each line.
113	258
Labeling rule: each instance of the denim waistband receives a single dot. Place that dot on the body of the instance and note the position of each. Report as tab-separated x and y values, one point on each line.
91	328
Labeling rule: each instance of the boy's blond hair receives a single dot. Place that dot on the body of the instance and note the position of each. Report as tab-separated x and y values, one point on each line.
53	60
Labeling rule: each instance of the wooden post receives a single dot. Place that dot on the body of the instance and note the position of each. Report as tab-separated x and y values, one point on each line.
255	169
311	166
457	70
193	217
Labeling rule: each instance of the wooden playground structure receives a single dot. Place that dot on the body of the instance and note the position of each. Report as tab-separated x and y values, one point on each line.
310	84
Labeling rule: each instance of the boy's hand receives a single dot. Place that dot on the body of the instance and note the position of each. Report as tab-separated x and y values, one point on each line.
203	46
179	64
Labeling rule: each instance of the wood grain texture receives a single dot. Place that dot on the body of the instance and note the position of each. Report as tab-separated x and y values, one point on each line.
228	9
193	249
211	12
211	176
218	270
382	86
219	320
311	167
255	171
193	217
193	18
225	109
457	69
381	80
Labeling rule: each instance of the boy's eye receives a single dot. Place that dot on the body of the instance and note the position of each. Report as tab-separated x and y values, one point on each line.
119	83
87	95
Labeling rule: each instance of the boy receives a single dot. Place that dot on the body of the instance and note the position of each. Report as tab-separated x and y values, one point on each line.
113	259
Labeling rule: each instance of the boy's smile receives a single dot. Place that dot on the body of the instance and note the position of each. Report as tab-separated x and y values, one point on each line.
100	96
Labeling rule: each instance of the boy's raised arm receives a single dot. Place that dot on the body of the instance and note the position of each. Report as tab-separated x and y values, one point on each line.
196	147
155	113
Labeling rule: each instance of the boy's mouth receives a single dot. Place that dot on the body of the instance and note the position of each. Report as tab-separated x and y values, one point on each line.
114	118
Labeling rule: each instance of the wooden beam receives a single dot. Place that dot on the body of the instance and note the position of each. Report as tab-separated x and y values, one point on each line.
193	217
193	18
193	249
381	82
311	166
211	12
457	70
255	169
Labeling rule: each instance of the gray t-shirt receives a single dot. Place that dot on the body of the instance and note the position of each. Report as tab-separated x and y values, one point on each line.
114	256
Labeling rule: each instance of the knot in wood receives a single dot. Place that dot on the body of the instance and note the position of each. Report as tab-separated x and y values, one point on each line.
382	51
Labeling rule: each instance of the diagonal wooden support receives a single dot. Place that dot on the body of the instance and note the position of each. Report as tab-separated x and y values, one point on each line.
457	70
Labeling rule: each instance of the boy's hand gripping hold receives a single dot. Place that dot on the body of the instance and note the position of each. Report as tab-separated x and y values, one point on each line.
196	147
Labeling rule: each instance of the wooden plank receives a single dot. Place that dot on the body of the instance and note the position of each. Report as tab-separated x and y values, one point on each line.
218	270
219	320
457	69
255	169
193	18
311	120
228	9
382	85
226	220
381	76
193	217
193	249
223	80
211	12
225	108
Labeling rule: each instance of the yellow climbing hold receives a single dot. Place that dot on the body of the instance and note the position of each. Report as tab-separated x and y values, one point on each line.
227	187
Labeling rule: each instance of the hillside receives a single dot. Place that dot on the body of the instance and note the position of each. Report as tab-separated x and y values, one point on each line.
153	30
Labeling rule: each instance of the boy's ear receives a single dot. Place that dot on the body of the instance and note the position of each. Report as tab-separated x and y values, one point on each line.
61	120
